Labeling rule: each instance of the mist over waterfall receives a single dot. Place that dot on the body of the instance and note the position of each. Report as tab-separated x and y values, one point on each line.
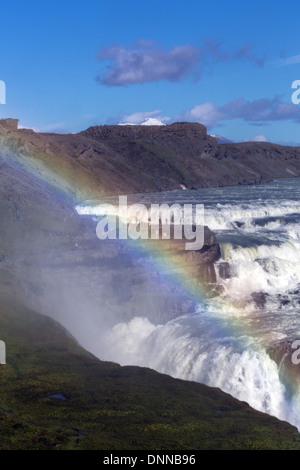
203	349
225	341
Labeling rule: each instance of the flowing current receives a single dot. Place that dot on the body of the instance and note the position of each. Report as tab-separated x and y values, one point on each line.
225	342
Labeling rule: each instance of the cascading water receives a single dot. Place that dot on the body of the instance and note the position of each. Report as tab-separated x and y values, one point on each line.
224	343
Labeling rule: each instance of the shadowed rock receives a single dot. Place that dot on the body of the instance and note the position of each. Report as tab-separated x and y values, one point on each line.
259	298
224	270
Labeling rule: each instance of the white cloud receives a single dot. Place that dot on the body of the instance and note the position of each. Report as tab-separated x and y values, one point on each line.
294	59
261	110
257	138
206	113
34	129
147	61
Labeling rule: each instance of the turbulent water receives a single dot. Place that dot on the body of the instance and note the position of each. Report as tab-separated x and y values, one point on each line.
224	342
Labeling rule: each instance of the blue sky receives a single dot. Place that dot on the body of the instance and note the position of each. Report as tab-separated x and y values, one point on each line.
68	65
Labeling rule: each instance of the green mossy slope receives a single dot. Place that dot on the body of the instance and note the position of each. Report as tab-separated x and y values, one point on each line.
111	407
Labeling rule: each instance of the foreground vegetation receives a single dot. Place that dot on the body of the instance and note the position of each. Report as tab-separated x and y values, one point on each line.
55	395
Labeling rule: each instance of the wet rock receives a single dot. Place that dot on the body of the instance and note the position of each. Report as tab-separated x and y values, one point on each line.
259	298
207	274
239	224
224	270
286	354
214	290
284	302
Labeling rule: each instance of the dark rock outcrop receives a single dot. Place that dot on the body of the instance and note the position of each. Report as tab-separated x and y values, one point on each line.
9	124
224	270
286	354
259	298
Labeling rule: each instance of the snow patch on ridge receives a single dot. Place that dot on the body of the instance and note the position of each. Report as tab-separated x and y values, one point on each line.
146	122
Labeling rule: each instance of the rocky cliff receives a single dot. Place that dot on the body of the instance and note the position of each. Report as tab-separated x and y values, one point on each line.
107	160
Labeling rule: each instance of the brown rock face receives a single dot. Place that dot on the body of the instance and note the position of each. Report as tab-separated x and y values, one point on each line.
286	354
111	160
9	124
196	265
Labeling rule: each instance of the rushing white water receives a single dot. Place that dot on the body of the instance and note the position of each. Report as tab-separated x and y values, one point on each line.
224	343
205	349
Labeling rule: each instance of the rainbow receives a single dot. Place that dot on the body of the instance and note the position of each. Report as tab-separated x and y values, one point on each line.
52	170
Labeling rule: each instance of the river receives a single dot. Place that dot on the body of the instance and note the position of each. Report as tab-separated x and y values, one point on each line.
224	342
